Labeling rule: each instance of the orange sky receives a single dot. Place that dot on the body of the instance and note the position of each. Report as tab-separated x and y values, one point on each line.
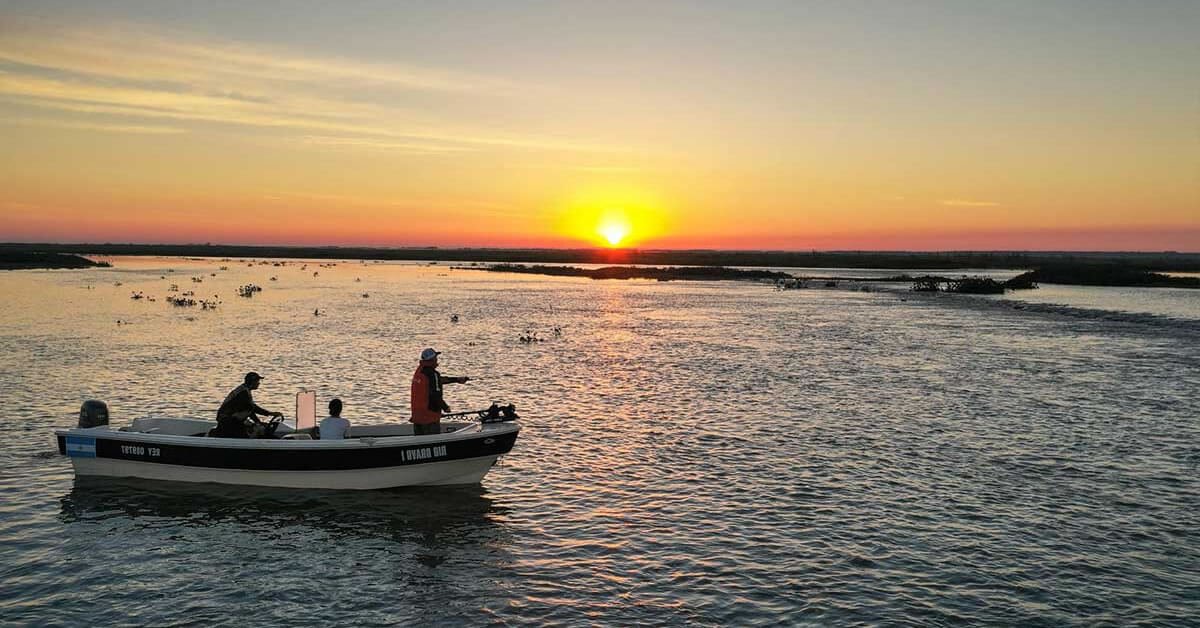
776	125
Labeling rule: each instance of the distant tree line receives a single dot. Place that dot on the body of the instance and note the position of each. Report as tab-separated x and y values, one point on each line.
1164	261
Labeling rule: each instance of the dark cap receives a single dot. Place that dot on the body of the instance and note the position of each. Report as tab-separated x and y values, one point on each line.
252	377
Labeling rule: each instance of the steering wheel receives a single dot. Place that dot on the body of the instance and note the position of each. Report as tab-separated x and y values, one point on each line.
273	425
268	427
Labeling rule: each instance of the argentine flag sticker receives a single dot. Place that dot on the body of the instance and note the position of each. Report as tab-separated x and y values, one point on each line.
81	446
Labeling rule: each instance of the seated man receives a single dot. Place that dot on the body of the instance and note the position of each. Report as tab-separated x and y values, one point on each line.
334	427
236	418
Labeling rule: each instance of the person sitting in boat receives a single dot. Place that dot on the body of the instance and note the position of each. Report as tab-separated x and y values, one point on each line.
237	415
334	427
427	401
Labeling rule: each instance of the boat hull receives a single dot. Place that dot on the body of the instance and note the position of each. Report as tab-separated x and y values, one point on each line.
354	464
454	472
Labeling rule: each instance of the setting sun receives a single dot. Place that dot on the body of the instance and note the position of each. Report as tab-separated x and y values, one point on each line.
614	232
613	216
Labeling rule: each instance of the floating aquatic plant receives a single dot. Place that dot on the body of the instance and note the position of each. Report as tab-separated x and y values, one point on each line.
794	283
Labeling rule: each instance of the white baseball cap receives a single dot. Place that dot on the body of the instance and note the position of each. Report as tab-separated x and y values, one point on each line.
429	354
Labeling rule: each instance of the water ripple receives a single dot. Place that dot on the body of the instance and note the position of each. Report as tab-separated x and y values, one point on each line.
693	453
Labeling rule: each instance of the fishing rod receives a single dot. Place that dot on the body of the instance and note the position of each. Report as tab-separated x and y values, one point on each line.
446	416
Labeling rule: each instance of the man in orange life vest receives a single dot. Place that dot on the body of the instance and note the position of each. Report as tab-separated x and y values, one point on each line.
427	402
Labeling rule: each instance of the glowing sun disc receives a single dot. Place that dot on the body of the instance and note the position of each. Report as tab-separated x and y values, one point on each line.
614	233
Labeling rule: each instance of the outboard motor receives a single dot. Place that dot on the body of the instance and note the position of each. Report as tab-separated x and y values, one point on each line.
94	413
500	414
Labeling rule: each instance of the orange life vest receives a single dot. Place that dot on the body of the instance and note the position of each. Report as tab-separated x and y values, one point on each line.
421	412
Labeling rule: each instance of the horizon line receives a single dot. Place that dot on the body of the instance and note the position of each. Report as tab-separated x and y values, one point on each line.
600	248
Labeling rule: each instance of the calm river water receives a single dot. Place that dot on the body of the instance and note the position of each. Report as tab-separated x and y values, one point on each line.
692	453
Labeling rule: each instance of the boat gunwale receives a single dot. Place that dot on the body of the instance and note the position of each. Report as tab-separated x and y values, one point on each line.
364	442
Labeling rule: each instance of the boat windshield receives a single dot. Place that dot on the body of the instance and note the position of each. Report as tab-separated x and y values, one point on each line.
306	410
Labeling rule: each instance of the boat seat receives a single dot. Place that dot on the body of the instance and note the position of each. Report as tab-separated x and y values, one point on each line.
297	436
172	427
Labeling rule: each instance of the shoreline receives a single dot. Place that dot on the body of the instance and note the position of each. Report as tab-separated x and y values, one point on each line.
1095	269
898	260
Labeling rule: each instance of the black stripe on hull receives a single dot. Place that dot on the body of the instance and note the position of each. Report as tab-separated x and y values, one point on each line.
301	459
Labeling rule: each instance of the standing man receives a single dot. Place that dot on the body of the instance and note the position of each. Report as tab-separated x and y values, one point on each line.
237	412
427	401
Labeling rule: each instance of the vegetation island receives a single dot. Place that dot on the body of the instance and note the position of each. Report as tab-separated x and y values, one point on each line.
1110	275
1074	268
24	260
686	273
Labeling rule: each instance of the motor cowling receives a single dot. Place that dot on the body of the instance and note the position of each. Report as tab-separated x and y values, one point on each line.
93	413
499	414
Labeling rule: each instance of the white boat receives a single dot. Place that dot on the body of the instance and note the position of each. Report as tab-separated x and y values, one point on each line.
374	457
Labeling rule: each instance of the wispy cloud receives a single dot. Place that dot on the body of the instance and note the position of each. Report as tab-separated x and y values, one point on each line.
19	207
592	168
342	199
958	202
460	206
386	145
124	76
136	53
94	126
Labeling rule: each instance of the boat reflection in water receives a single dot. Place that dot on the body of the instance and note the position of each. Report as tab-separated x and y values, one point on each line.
429	525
